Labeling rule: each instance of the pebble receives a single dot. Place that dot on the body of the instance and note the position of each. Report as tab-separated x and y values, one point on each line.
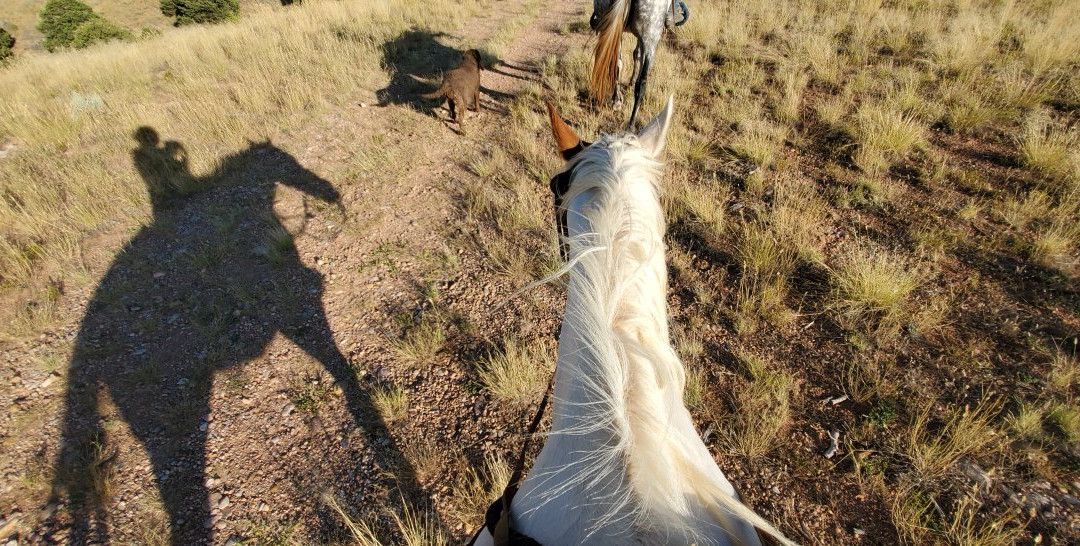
48	381
288	409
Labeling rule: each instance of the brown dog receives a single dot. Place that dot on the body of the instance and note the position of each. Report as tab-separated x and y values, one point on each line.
461	87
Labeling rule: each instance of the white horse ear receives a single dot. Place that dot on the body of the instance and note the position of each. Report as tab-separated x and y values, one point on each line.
653	135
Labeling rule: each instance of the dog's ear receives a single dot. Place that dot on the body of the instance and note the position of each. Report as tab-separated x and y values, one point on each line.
566	140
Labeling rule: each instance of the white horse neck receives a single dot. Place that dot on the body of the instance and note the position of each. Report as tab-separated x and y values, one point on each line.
623	463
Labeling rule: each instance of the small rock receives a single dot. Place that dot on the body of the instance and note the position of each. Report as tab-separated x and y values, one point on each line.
263	507
858	532
159	275
1071	500
223	503
834	443
48	510
288	409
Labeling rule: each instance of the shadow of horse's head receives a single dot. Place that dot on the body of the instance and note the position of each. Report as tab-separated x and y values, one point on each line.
271	164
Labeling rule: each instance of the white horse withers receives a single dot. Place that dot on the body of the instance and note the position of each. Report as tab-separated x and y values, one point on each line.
623	463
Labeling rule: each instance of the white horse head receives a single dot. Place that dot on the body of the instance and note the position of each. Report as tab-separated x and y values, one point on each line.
623	463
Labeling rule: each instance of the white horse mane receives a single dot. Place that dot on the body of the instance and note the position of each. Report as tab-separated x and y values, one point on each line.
623	450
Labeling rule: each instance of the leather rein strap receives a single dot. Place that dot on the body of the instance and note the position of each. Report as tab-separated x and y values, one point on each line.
497	518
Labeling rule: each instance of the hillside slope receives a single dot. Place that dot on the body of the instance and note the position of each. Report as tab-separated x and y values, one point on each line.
253	288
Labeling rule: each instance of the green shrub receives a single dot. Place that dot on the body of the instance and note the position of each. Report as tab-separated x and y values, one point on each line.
200	11
7	42
71	23
59	19
97	30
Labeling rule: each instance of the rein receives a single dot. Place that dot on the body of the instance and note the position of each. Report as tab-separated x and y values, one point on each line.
497	517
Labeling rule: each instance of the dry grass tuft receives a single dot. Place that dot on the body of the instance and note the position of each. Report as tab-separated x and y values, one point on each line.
477	489
421	342
419	528
758	141
766	269
967	431
921	519
871	292
362	532
1050	148
762	408
884	136
518	374
392	402
694	391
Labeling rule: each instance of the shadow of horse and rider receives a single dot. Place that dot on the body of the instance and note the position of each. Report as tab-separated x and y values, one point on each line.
203	287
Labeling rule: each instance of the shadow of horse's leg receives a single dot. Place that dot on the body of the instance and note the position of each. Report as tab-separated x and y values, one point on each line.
81	441
316	339
178	459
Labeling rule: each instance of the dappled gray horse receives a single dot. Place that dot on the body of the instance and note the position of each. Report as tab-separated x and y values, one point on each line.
646	20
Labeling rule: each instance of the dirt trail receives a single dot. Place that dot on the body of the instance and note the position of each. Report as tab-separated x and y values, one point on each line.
246	413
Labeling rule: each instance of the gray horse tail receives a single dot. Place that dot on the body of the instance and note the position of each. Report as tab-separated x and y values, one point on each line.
685	14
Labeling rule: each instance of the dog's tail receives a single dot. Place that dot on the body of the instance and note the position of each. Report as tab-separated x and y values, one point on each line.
436	93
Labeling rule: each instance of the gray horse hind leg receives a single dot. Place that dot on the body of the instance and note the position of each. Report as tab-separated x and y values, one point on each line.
639	85
637	61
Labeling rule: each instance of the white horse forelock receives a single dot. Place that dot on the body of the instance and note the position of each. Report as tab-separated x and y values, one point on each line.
623	462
